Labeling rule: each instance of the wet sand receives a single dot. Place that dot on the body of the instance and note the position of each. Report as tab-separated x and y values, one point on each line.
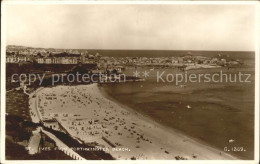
218	111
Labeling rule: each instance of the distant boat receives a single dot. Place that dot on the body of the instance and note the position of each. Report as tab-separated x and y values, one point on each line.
231	140
188	106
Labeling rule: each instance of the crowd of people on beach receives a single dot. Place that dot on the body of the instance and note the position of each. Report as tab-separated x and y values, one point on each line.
86	114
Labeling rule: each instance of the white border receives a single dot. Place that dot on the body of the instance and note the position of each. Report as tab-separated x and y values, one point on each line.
3	73
257	68
184	2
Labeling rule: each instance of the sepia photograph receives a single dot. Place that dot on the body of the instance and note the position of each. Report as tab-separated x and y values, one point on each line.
129	81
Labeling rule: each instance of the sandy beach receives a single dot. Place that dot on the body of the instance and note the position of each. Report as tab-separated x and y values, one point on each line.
89	115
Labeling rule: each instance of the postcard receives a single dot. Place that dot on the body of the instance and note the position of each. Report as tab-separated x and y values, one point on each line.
142	80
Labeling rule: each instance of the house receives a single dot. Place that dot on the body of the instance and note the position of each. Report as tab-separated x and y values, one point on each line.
52	124
16	59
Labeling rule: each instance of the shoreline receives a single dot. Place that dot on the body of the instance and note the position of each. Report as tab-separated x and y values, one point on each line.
172	131
139	135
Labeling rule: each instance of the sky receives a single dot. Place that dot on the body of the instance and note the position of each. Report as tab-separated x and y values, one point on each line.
147	27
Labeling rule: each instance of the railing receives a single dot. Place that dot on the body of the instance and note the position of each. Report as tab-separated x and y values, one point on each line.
63	147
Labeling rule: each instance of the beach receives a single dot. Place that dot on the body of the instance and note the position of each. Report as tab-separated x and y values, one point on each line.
211	113
89	115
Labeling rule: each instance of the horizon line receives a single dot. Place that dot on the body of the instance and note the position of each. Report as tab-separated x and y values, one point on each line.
132	49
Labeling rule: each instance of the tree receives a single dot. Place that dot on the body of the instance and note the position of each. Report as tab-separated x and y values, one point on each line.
114	71
39	55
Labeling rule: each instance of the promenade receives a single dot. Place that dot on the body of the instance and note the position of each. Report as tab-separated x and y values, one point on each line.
34	141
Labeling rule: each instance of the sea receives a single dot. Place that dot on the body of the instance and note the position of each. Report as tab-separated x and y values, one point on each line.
219	114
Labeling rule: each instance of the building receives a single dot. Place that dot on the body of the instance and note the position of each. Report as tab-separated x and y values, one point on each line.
52	124
57	60
16	59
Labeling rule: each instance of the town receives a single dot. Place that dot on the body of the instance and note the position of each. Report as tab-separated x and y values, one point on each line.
23	55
